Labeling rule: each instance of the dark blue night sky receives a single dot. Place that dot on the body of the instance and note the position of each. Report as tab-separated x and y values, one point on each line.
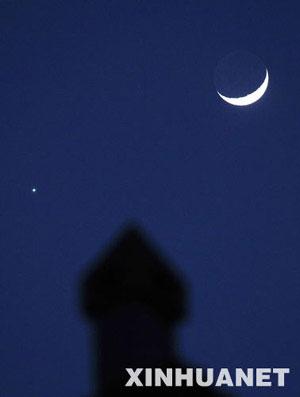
109	110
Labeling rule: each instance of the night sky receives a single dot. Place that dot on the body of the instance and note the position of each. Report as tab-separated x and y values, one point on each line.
109	111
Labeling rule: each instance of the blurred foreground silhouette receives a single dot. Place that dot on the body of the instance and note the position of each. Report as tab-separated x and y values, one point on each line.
134	299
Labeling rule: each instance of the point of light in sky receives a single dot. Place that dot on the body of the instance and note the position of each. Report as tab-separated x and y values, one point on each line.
33	190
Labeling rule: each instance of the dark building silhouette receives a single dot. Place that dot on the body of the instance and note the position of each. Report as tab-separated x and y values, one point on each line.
134	299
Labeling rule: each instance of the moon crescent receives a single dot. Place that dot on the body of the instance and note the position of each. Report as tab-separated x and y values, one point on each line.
250	98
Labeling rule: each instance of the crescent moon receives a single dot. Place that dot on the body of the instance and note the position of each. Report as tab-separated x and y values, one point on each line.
250	98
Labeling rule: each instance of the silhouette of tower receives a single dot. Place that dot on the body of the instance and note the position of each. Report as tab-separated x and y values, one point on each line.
134	299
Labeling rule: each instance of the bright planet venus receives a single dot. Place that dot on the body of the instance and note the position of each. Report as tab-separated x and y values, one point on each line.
241	78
